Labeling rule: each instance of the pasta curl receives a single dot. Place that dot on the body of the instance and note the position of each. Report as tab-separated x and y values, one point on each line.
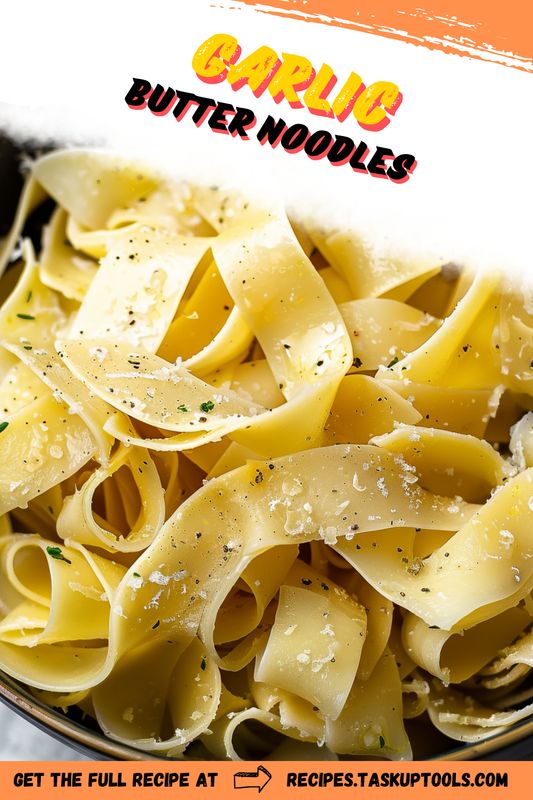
266	489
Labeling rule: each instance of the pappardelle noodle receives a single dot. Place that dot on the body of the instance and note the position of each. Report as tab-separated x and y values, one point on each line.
263	487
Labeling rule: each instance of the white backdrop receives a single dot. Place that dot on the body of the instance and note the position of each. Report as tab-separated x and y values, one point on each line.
65	68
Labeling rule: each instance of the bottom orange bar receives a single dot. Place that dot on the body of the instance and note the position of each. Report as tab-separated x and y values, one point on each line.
104	780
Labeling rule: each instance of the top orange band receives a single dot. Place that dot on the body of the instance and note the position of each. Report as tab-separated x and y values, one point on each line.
496	32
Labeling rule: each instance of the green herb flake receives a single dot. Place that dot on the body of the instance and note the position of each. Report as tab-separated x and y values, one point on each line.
381	741
393	362
156	625
136	575
182	408
3	426
27	347
55	552
203	663
207	406
357	363
25	316
29	296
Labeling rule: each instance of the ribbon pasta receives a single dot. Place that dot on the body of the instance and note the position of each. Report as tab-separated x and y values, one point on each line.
264	488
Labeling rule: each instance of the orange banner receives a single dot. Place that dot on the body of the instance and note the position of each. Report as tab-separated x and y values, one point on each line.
498	32
276	780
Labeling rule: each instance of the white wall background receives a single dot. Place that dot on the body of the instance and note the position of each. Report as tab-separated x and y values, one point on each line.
21	741
65	68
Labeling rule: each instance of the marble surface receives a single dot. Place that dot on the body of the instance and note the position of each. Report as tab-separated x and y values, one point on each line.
20	740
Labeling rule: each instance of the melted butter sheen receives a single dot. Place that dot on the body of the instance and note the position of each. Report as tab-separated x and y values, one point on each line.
231	445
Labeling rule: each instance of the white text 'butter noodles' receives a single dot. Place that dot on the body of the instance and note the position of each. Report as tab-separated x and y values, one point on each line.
265	487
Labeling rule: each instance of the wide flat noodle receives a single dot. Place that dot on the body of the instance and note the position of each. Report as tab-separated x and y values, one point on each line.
455	657
294	501
462	718
55	445
295	714
484	569
78	522
90	185
516	340
262	496
153	391
479	468
314	647
463	352
162	601
61	267
19	387
62	625
369	272
138	287
371	721
242	617
308	358
29	321
363	408
383	330
467	411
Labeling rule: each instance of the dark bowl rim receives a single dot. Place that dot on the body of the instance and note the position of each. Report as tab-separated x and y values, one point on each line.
96	745
93	743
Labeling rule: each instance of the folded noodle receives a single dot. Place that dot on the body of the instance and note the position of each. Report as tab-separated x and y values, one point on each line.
266	489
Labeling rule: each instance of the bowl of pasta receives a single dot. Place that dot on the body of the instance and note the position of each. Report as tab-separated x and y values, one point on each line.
262	493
